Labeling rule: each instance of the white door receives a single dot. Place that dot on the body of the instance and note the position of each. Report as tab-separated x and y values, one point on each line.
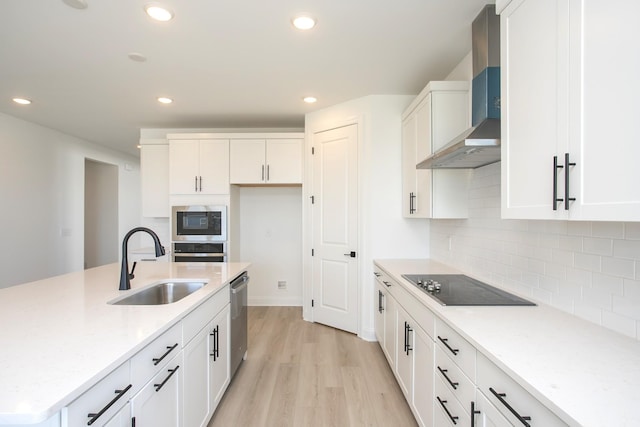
335	233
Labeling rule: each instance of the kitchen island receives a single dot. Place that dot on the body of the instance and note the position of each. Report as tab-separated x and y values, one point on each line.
60	336
586	375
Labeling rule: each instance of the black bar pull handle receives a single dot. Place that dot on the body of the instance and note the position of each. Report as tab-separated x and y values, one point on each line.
409	330
446	344
200	182
195	188
170	348
556	166
444	374
380	307
216	343
474	412
97	415
412	207
500	397
171	372
442	403
387	284
567	199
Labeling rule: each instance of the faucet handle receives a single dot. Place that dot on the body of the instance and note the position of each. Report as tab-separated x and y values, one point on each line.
131	276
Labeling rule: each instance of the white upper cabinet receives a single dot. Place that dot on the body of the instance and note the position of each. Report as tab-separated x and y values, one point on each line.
569	92
437	115
199	166
154	177
266	161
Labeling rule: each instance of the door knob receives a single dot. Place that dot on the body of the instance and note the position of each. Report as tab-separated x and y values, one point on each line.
352	254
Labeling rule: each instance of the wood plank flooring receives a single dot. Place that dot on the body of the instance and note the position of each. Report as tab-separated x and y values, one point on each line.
302	374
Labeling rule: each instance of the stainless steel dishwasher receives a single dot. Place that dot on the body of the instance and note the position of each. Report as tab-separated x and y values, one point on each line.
238	328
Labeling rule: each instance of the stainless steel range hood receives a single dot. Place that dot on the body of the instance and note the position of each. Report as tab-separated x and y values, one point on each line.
479	145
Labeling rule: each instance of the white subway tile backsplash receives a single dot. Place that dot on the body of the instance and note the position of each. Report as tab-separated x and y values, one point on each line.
629	249
618	267
609	284
632	230
598	246
589	269
613	230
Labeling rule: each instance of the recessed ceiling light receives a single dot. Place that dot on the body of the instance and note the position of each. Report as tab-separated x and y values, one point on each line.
303	22
22	101
309	99
158	13
76	4
164	100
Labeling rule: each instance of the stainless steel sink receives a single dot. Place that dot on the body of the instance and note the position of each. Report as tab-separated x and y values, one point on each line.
161	293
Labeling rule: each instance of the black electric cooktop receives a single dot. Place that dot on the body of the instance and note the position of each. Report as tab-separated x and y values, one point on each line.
458	289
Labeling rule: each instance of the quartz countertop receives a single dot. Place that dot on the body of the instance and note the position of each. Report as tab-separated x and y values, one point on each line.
586	374
60	336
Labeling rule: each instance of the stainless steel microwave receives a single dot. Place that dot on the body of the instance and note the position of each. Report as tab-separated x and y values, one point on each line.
199	223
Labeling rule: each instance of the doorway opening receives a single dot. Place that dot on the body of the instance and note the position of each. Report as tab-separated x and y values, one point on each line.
100	213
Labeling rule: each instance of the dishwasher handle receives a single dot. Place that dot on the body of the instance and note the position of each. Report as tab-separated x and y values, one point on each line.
239	284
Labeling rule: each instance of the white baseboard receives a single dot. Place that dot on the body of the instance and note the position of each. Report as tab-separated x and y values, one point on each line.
368	335
275	301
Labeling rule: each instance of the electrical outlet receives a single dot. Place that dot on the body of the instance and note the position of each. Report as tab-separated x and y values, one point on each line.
282	284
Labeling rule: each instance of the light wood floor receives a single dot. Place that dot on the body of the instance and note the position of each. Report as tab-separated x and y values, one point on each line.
305	374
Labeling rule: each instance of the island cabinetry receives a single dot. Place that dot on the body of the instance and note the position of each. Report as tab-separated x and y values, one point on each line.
266	161
159	403
510	399
101	402
199	166
561	133
206	373
437	115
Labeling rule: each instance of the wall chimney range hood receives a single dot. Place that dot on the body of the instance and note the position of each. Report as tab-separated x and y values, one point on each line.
479	145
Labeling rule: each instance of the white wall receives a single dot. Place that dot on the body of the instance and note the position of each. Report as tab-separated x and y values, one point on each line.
42	193
383	232
590	269
270	231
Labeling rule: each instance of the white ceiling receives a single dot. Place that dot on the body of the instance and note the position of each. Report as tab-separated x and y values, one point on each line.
226	63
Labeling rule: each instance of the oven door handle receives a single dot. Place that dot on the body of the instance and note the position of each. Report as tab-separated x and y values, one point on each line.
199	254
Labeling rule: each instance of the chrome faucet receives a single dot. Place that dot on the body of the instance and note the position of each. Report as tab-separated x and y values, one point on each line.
125	276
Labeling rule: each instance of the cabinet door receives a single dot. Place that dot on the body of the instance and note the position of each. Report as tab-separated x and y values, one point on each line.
184	166
380	312
159	403
214	166
423	374
534	86
219	356
154	177
604	97
196	380
409	188
405	331
284	161
247	161
424	147
487	415
390	329
122	418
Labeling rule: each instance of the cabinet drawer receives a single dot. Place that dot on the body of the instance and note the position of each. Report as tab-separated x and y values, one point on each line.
199	317
452	376
148	361
503	392
102	401
457	348
454	412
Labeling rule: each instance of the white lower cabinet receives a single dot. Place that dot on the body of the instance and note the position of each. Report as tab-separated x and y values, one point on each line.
159	403
386	318
122	418
196	380
219	377
486	415
423	377
405	354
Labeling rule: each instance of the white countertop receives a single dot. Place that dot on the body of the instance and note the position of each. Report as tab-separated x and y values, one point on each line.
59	336
586	374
